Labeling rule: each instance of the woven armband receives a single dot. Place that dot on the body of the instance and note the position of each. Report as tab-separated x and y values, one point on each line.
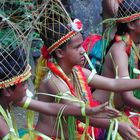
113	129
83	110
125	77
93	72
27	102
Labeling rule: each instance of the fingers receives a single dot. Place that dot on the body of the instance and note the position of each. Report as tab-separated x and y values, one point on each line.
99	108
104	105
135	128
129	137
134	132
112	111
105	111
110	116
128	132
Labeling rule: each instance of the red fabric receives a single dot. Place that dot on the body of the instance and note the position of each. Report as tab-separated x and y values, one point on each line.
91	40
135	119
44	52
80	130
39	138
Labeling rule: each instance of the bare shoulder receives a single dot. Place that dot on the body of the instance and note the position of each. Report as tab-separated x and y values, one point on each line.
86	71
119	45
53	85
4	130
118	48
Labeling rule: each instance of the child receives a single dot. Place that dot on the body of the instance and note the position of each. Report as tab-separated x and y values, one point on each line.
123	52
62	77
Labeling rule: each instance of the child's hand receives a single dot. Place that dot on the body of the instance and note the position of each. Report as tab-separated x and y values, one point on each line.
104	111
130	132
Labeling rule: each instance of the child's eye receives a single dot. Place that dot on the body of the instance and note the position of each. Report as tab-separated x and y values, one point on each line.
78	46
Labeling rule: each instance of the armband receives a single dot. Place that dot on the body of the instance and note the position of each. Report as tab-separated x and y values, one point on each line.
93	72
113	128
125	77
27	102
83	110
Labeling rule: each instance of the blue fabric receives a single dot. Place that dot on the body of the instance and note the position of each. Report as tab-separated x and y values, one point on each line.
96	54
102	134
22	132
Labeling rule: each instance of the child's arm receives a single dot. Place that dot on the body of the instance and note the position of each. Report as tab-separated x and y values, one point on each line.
127	131
109	84
4	130
68	109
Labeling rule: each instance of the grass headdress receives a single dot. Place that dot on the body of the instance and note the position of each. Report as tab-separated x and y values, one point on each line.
14	54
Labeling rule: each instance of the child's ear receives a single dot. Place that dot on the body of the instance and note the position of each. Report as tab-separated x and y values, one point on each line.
131	25
7	92
59	53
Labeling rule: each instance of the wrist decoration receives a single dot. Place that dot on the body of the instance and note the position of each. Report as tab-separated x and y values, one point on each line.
113	129
27	103
83	110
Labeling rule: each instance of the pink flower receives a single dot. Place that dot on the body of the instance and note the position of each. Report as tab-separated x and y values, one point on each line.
79	24
76	25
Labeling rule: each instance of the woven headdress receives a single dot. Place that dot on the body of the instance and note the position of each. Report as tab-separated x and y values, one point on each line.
55	24
18	11
128	10
124	11
56	28
14	54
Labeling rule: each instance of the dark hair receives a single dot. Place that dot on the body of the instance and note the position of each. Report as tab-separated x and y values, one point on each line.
1	92
122	29
52	37
13	62
52	23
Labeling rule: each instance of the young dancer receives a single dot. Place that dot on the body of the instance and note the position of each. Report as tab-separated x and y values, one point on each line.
59	75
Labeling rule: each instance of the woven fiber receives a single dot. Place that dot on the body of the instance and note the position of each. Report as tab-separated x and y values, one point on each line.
128	10
14	54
